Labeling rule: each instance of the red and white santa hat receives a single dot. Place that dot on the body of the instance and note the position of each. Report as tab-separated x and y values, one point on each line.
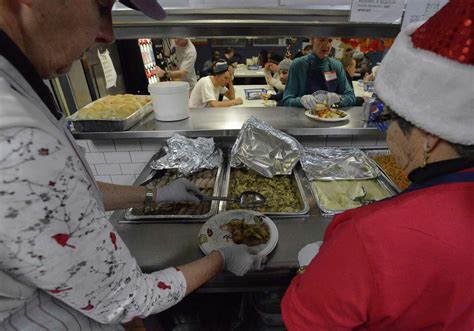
427	77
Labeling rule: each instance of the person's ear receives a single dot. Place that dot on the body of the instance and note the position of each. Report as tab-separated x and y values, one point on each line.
430	142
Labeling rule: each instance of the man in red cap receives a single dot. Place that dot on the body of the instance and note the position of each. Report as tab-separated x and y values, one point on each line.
406	263
62	264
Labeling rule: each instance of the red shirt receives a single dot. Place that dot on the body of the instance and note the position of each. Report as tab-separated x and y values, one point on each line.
406	263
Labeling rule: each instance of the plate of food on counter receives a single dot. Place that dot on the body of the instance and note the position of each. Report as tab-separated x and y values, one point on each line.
327	115
237	227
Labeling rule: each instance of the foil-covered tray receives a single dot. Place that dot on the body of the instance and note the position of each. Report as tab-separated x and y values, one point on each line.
332	163
105	125
295	182
265	149
383	180
148	175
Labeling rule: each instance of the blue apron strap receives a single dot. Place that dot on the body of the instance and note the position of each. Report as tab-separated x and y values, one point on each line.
315	80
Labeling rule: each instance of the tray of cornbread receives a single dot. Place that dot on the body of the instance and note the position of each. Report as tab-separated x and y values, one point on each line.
112	113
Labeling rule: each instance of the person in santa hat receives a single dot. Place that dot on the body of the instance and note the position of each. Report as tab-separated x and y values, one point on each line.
406	263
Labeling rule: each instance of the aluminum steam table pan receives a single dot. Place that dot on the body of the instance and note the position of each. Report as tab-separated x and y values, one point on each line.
382	152
295	185
175	212
383	181
110	125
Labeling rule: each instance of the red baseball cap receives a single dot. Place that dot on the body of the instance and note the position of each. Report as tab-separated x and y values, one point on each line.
150	8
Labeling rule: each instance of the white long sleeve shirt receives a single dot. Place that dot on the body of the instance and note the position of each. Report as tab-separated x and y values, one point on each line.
61	261
56	238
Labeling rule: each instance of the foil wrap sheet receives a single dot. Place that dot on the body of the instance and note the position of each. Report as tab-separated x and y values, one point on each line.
189	155
264	149
338	164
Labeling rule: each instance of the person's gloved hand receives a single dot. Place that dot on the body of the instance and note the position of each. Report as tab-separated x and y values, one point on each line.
178	190
332	98
309	101
321	96
239	260
327	98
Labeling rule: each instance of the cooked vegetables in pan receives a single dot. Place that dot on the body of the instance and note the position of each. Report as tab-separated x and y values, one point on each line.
281	192
393	170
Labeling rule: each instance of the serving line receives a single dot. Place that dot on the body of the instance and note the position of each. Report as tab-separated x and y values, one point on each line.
227	122
157	246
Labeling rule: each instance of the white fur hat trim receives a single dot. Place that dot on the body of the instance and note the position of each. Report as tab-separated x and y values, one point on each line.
433	92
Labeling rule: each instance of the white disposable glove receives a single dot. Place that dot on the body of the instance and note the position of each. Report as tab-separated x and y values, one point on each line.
239	260
178	190
308	252
328	98
309	101
321	96
332	98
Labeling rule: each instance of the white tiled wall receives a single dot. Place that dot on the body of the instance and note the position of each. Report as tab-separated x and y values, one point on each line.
118	161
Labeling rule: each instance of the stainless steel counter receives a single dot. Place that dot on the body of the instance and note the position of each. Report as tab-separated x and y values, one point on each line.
226	122
157	246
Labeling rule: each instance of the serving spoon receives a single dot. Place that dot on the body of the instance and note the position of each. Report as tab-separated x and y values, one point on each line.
247	199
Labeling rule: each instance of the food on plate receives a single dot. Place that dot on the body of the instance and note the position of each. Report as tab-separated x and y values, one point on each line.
113	107
329	113
204	180
320	106
338	195
247	233
281	192
393	170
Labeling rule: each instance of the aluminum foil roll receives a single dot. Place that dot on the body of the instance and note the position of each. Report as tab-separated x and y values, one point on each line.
335	163
189	155
264	149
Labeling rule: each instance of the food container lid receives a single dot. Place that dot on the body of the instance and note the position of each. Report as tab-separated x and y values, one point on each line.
168	87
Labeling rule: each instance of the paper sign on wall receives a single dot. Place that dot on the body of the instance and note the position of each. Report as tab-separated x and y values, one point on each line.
377	11
108	67
421	10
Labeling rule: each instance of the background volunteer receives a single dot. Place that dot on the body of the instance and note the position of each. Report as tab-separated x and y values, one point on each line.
186	56
317	72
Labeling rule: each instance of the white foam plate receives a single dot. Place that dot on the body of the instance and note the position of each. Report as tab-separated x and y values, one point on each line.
315	117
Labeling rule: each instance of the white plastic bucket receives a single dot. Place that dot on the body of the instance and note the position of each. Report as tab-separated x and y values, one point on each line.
170	100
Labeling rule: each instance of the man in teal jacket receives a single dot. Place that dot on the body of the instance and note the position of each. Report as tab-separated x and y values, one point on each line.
318	72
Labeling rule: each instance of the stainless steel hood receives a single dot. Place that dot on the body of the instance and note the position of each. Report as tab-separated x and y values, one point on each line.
247	22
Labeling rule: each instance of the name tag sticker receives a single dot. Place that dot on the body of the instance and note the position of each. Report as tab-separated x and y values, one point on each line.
330	75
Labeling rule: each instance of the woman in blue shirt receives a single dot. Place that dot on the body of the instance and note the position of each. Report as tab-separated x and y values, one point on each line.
317	72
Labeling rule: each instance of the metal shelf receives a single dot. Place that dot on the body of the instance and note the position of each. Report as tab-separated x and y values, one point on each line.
275	22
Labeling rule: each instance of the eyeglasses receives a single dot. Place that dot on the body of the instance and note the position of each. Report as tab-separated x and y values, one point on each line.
388	116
